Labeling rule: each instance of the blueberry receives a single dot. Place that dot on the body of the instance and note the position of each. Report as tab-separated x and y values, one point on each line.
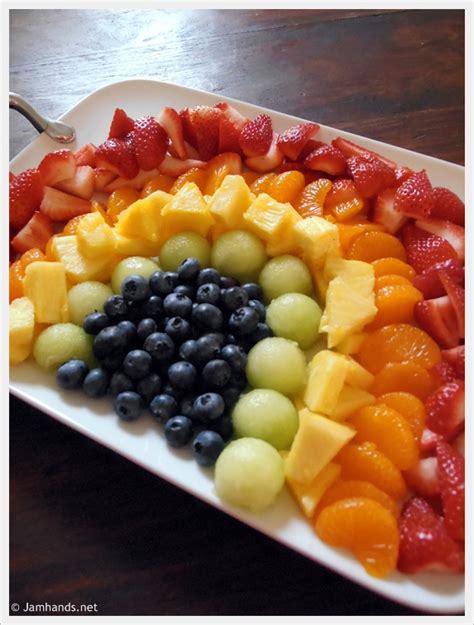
187	350
182	375
149	387
243	321
152	307
178	329
216	373
226	282
146	327
207	317
188	270
230	395
186	406
130	331
163	407
235	356
238	380
207	348
137	364
220	337
178	431
234	298
115	307
128	405
167	389
163	282
71	374
96	383
262	331
254	291
178	305
208	294
160	346
186	289
134	311
207	447
109	341
95	322
208	407
112	362
209	275
119	383
259	308
223	426
135	288
230	339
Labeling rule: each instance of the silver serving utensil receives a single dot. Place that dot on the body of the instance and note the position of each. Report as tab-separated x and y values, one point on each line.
58	131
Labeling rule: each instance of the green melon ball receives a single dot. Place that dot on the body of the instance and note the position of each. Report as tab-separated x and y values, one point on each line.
268	415
285	274
85	298
296	317
132	266
278	364
239	254
61	342
249	473
184	245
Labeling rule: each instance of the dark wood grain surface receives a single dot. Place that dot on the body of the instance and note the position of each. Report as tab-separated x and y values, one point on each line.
87	526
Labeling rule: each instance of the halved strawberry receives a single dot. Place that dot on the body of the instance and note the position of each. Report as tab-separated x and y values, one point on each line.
448	206
86	155
429	440
173	125
36	233
117	155
455	235
456	357
328	159
82	184
438	318
232	161
11	176
384	212
60	206
451	482
456	296
414	197
256	136
370	174
402	174
150	142
292	141
424	249
232	114
291	166
102	177
443	372
26	192
190	152
445	409
172	166
425	544
269	161
348	148
57	166
310	146
423	478
459	444
229	136
121	125
138	182
428	281
201	129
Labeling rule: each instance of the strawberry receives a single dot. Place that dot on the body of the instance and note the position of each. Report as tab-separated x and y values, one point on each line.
172	166
443	372
428	281
85	155
423	478
150	142
293	140
425	544
229	136
173	126
456	296
384	212
402	174
438	318
310	146
291	166
118	156
60	206
451	482
11	176
454	234
414	197
455	356
370	174
256	136
230	159
348	148
82	184
121	125
36	233
448	206
57	166
269	161
429	440
102	177
26	192
137	183
328	159
201	129
190	152
445	409
459	444
232	114
424	249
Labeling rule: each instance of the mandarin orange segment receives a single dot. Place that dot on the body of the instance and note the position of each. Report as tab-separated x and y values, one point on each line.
398	342
410	407
250	177
390	279
389	430
286	187
349	231
159	183
342	489
370	246
364	526
363	461
118	201
311	201
261	184
390	265
71	226
196	175
395	304
15	278
346	210
48	252
407	377
31	256
214	178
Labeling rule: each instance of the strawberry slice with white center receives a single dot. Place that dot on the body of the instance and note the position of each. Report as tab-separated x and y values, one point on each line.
348	148
384	212
371	175
150	142
232	114
102	177
172	166
451	482
402	174
36	233
201	129
437	317
443	372
229	136
425	544
423	478
137	183
310	146
60	206
82	184
57	166
456	296
121	125
328	159
414	197
445	409
118	156
269	161
256	136
86	155
459	444
456	357
292	141
429	283
26	192
429	440
454	234
173	126
424	249
448	206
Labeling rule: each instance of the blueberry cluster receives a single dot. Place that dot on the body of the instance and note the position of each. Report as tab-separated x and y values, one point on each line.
176	344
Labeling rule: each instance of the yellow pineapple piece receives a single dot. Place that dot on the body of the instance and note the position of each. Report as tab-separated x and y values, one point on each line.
309	495
317	238
358	274
187	210
125	246
45	285
350	400
269	219
78	267
357	376
229	203
21	324
299	403
351	344
321	285
326	376
142	219
285	243
94	236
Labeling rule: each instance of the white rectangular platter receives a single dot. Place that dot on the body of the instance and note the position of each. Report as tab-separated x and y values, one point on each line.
143	442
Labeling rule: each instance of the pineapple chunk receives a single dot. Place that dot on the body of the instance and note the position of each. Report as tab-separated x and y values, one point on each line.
317	237
269	219
317	441
357	376
45	285
358	274
351	344
186	211
134	247
230	201
141	220
21	323
321	284
285	243
299	403
350	400
326	375
95	238
78	267
309	495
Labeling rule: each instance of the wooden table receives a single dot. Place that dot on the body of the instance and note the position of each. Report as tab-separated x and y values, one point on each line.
87	526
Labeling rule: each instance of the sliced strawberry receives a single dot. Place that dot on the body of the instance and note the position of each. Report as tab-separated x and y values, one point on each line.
424	249
402	174
445	409
201	129
423	478
81	185
384	212
11	176
137	183
451	482
448	206
229	136
231	160
455	235
425	544
414	197
456	357
121	125
26	192
370	174
60	206
150	142
429	440
118	155
57	166
328	159
190	152
172	166
102	177
459	444
456	296
348	148
232	114
86	155
443	372
291	166
269	161
293	140
429	283
438	318
173	125
256	136
310	146
36	233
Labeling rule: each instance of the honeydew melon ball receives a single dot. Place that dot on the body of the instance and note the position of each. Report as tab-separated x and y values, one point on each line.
278	364
239	254
85	298
285	274
132	266
184	245
59	343
249	473
296	317
268	415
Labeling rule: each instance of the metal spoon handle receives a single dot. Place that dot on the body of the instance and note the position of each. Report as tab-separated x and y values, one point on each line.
58	131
